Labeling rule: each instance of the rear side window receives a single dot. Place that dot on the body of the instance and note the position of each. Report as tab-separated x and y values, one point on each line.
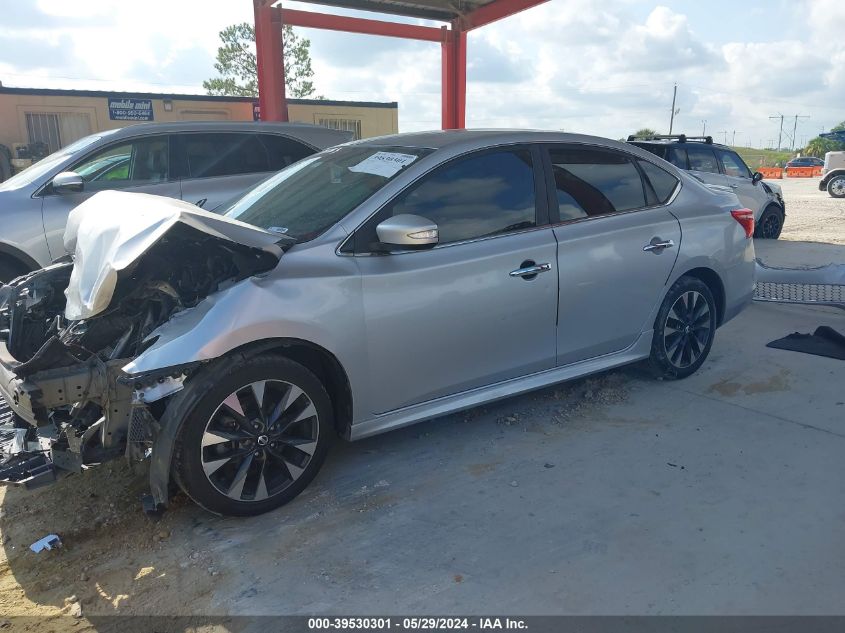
283	151
210	155
702	159
733	165
678	157
662	182
595	182
478	196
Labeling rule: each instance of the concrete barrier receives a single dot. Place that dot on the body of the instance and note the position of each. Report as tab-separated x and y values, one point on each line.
800	172
772	173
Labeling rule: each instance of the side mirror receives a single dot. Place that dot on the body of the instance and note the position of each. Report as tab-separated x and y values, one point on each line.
68	182
408	231
757	177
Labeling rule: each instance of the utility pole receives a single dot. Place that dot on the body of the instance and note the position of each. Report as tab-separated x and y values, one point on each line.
672	117
733	139
795	127
703	126
725	132
780	134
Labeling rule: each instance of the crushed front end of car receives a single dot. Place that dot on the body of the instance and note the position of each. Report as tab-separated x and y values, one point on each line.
68	331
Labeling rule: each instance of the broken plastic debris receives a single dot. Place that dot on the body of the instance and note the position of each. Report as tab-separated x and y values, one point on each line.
48	542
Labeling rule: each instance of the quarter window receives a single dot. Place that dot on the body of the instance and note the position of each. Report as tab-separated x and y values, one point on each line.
283	151
662	182
140	162
592	182
702	159
479	196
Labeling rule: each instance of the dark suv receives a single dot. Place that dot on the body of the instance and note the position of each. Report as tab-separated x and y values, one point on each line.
716	164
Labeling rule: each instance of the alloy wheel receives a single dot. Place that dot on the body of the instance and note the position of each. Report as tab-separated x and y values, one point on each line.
837	187
771	226
687	329
259	440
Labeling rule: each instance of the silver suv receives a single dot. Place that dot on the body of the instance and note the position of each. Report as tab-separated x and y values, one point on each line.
720	165
368	287
207	163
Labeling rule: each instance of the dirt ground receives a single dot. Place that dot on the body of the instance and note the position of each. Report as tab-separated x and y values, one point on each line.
811	215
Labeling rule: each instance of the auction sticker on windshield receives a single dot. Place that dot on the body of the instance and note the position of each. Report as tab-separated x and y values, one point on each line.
385	164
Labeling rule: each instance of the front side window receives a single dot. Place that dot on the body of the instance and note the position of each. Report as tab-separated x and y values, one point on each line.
478	196
226	154
283	151
308	197
592	181
733	165
138	162
702	159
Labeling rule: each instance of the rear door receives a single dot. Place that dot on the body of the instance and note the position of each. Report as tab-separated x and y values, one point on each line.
218	166
465	313
704	165
617	244
739	178
141	165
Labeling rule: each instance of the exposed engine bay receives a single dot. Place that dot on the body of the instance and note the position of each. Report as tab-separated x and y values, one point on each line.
67	402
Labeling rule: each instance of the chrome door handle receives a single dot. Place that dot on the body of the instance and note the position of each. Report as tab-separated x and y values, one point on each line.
658	245
530	271
734	186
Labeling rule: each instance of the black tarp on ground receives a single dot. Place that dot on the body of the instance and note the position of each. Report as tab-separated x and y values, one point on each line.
825	341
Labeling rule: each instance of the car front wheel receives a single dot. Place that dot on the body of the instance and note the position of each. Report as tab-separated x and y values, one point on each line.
683	330
836	187
255	435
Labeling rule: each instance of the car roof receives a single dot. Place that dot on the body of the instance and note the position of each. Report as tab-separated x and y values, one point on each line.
674	141
479	138
316	135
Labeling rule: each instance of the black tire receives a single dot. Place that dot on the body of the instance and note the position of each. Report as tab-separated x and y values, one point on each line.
770	225
678	328
836	186
207	415
10	269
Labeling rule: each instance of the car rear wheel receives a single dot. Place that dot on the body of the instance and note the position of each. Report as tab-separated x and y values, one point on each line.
684	329
256	436
770	224
836	187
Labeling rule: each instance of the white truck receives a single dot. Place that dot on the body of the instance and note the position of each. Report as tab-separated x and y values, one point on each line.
833	172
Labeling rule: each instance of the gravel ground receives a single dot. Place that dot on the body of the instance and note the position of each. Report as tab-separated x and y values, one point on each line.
811	215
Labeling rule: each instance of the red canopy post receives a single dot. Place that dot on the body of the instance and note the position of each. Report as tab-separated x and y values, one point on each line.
270	63
454	77
453	42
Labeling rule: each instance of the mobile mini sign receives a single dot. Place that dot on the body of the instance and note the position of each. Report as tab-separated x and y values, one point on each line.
129	109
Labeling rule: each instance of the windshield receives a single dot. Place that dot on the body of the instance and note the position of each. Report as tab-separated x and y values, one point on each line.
45	165
308	197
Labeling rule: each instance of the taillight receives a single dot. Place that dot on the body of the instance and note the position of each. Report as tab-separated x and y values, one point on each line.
746	218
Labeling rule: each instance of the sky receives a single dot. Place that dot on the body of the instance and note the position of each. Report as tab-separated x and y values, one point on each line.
605	68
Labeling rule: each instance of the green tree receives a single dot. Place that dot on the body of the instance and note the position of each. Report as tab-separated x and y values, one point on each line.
646	131
820	146
237	64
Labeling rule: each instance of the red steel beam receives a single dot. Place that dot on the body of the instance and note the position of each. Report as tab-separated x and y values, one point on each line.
453	77
313	20
497	10
270	63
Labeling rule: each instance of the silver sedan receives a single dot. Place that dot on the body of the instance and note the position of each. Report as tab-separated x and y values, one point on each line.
364	288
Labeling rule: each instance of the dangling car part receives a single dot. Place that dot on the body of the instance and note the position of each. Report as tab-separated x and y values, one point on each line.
69	329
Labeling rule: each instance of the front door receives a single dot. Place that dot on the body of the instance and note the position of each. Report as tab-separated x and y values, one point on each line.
137	165
465	313
739	178
617	245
